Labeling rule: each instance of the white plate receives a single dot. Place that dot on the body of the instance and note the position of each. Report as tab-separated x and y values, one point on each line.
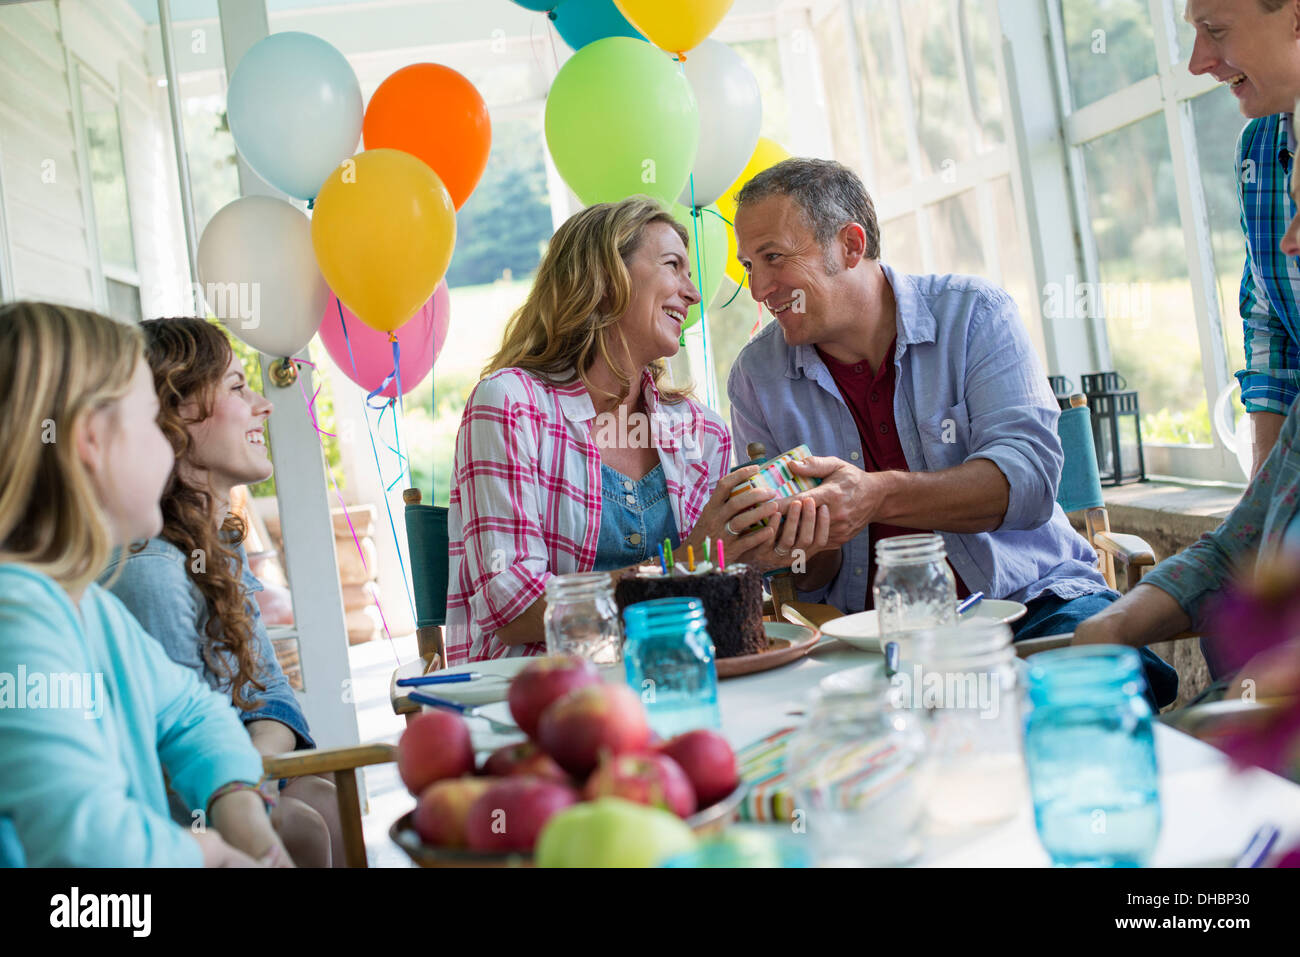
863	629
493	686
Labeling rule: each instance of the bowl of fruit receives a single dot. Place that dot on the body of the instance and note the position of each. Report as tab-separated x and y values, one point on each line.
588	785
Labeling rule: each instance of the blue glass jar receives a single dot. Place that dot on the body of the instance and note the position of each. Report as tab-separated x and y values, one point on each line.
1091	755
669	659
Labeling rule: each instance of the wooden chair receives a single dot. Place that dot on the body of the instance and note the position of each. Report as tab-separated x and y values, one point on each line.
427	543
342	763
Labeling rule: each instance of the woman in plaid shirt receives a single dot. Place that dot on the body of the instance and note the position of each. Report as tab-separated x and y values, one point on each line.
574	456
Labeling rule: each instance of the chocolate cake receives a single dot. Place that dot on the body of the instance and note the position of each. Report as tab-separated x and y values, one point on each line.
733	601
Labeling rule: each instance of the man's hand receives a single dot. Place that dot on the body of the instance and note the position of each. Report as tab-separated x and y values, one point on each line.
804	533
847	491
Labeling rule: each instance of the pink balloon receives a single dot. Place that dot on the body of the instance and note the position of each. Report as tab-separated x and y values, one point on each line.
420	339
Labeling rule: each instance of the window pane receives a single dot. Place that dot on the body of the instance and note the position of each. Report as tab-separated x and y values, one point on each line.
1109	44
984	69
943	117
1184	34
833	48
955	232
1218	123
900	244
763	57
209	147
107	178
1144	291
885	114
123	301
1014	260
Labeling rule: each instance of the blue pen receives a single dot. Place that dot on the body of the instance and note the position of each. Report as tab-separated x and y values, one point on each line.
439	679
1261	843
970	603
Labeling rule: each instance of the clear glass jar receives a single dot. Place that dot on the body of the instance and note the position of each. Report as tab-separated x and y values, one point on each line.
914	587
1091	755
964	679
855	769
669	662
582	618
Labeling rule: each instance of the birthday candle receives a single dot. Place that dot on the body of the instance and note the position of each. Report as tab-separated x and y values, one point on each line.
690	557
722	557
668	550
708	547
662	564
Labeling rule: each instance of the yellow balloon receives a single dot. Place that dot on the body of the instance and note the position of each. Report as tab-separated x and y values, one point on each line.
674	25
383	227
766	155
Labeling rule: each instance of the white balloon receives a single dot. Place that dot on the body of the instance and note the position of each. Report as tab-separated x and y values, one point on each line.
731	113
259	274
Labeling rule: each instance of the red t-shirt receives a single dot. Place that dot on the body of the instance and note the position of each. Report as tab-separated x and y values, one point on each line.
870	398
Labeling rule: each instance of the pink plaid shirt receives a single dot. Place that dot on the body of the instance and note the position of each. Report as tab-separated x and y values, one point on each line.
525	495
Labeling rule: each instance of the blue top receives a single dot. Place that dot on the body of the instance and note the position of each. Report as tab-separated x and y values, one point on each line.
156	588
1270	281
635	518
91	714
1254	532
969	386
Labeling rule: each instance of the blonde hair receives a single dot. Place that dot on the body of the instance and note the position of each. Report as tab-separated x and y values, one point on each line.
582	289
57	366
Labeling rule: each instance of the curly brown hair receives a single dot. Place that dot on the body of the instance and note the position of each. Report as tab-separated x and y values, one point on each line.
188	358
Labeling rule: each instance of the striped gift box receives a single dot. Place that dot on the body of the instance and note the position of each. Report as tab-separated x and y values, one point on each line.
776	474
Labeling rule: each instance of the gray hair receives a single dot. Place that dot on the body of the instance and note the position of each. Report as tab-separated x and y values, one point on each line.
829	195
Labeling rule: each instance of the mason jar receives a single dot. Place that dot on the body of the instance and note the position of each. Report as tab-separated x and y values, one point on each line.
965	681
582	618
855	774
914	587
1091	753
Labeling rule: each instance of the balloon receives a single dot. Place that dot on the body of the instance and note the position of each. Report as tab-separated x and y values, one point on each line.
433	112
259	275
766	154
384	228
541	6
421	340
294	107
708	267
621	120
731	112
675	25
580	22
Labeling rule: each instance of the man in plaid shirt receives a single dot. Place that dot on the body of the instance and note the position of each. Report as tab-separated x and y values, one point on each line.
1252	46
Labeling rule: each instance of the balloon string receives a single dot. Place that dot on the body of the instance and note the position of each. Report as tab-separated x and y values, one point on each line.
397	545
735	294
710	209
329	471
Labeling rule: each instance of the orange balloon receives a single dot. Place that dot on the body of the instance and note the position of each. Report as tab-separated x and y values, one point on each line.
433	112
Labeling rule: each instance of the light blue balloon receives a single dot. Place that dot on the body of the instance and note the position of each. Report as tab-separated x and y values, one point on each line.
295	111
581	22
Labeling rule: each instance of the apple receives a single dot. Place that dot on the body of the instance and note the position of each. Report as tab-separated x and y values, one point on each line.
612	832
524	758
598	719
708	761
543	681
511	813
434	746
444	807
649	778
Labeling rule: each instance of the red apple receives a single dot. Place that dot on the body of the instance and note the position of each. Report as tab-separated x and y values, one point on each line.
543	681
599	719
511	813
649	778
444	807
708	761
524	758
434	746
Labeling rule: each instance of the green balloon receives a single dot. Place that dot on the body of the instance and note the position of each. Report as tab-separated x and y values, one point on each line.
621	120
708	248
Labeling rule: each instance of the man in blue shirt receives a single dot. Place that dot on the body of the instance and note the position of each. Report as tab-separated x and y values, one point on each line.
971	410
1254	47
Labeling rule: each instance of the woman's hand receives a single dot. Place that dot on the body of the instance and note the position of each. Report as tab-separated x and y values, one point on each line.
729	518
217	853
240	818
804	532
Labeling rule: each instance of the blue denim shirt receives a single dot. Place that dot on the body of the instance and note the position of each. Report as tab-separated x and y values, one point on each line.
155	587
969	386
635	518
1253	534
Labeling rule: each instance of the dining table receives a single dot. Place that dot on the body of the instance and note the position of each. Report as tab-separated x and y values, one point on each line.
1210	809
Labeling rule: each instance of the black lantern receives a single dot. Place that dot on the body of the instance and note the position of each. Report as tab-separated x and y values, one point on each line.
1116	428
1062	388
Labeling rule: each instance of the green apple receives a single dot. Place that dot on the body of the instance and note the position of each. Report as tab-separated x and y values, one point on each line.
612	832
